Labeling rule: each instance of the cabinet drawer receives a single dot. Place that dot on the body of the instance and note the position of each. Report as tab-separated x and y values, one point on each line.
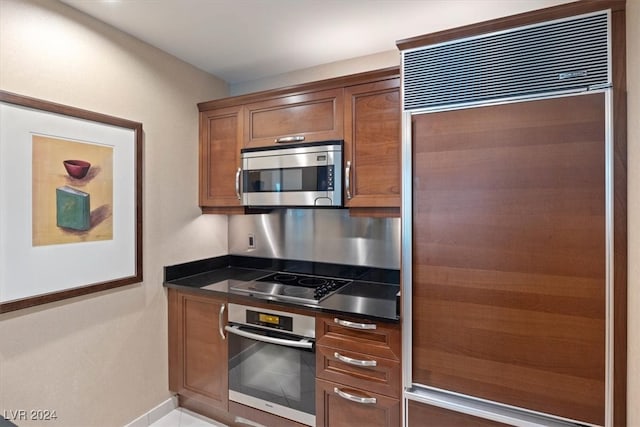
316	116
364	371
358	335
334	407
423	415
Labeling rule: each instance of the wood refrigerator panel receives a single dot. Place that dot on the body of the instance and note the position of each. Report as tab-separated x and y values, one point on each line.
509	254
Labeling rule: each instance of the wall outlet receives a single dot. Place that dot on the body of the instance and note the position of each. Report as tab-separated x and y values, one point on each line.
251	241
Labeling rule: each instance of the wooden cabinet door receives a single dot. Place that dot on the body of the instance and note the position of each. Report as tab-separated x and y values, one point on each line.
423	415
372	144
508	299
220	143
197	350
359	370
315	116
334	409
377	339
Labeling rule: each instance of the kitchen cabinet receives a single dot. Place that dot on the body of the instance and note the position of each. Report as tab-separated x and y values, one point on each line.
197	348
423	415
312	116
361	109
358	370
220	143
339	406
372	145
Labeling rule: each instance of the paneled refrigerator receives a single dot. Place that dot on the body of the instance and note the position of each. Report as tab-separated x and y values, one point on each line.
512	197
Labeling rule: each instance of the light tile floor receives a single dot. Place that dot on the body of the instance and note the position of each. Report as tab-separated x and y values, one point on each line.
181	417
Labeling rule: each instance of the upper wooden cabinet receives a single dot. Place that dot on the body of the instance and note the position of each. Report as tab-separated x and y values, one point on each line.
313	116
361	109
372	144
220	143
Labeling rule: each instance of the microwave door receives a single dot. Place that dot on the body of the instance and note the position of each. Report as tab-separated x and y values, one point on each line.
287	180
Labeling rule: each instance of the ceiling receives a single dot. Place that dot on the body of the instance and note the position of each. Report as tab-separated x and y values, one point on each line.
245	40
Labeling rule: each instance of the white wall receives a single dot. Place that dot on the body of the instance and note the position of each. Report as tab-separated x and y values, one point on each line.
101	360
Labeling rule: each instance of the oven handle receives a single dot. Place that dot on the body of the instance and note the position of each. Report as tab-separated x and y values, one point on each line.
303	343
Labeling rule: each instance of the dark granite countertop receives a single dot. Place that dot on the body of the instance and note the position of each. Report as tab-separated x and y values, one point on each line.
372	294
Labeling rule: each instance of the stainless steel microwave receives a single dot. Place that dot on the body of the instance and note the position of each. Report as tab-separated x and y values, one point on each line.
293	175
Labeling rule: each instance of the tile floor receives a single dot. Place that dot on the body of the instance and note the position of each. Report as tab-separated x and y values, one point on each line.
181	417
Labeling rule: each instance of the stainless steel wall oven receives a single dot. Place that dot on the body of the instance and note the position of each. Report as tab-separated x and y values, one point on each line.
272	364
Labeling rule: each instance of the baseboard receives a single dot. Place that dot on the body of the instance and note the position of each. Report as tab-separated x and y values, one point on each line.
155	414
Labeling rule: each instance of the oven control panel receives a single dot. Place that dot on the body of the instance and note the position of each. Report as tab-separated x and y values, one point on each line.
269	320
285	322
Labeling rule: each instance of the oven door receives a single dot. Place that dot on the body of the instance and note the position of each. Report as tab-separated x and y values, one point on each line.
273	372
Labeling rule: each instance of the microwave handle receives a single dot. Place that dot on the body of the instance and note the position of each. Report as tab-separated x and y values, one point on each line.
303	343
238	183
296	138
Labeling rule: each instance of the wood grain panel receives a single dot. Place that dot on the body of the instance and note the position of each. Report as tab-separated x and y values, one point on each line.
315	115
372	143
204	353
619	66
384	341
422	415
508	255
384	378
220	143
335	411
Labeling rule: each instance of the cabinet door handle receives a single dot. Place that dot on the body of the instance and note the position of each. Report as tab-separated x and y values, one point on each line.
221	321
354	325
354	398
296	138
347	179
238	182
355	362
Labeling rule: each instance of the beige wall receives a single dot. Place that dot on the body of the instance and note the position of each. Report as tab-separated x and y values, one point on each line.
101	360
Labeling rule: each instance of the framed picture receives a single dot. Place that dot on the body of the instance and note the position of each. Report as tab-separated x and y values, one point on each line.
70	202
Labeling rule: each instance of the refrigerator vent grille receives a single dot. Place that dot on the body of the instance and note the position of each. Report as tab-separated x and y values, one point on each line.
552	56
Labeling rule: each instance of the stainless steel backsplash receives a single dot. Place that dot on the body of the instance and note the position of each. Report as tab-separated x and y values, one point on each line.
320	235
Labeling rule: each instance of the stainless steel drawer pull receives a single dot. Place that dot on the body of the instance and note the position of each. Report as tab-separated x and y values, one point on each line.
296	138
355	362
354	398
354	325
220	321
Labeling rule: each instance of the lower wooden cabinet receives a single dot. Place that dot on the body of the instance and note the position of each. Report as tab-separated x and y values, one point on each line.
341	406
422	415
197	349
358	378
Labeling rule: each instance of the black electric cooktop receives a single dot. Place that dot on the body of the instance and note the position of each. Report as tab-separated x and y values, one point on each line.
301	288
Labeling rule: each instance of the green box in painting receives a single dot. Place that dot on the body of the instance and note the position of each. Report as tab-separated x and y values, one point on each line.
73	208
